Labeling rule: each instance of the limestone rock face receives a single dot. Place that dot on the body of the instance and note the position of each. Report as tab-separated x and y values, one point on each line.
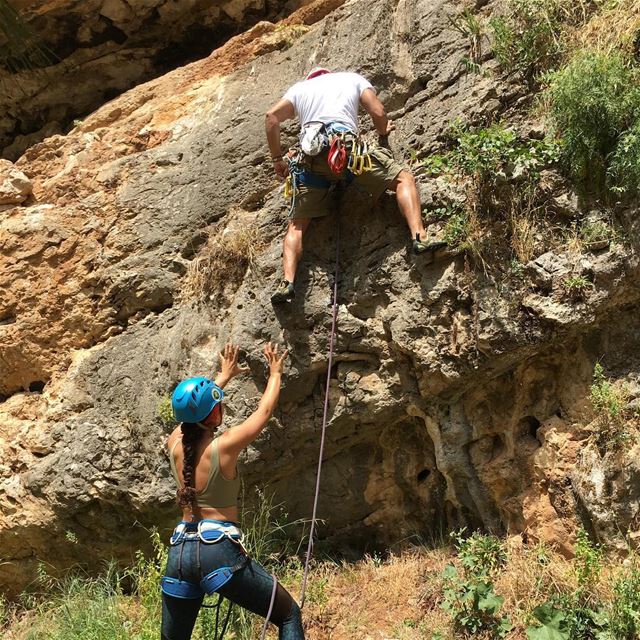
15	187
453	401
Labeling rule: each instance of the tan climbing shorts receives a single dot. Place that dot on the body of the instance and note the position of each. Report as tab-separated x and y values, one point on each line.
315	202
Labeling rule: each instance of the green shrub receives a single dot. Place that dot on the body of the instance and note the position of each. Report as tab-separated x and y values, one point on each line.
623	613
596	232
587	561
576	615
605	399
492	153
469	596
483	159
623	173
496	151
527	40
611	428
456	229
595	106
470	26
575	287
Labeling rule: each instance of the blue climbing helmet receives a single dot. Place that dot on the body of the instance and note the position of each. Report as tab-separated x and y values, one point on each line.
194	399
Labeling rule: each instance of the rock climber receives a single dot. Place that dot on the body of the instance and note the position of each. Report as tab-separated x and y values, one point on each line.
206	553
327	103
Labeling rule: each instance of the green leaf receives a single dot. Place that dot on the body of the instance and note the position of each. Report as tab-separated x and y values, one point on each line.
450	572
549	616
490	602
546	633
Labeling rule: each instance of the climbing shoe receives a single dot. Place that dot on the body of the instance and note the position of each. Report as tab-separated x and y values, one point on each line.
284	293
424	246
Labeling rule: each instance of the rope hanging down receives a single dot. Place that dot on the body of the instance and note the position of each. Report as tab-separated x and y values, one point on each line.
324	416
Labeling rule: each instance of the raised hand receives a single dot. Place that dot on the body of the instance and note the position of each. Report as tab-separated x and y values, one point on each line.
274	359
229	367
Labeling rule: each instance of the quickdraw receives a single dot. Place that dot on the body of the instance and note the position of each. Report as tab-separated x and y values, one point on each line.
337	158
359	158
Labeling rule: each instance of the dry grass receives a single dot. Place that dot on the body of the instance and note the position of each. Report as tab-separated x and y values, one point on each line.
615	26
524	215
222	263
399	598
392	598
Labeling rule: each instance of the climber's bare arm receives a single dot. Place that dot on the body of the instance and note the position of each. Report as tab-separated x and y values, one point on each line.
232	442
372	105
279	112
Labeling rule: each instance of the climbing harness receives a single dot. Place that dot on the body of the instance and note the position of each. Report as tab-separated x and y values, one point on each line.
210	532
207	532
334	322
298	175
348	156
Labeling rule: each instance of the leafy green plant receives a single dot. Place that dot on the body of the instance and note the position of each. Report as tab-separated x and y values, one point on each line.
532	37
516	269
587	561
553	624
469	25
576	615
611	428
604	398
623	613
165	411
456	229
493	153
479	554
623	173
469	596
594	234
575	287
595	105
527	40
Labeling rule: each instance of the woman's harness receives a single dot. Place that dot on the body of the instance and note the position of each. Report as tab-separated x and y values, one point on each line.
208	532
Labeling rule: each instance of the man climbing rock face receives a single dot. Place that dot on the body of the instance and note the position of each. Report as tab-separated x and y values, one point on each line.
331	151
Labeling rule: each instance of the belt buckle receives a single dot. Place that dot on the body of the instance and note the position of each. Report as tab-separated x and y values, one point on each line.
178	534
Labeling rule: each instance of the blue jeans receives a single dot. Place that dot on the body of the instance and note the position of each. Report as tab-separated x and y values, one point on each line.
250	587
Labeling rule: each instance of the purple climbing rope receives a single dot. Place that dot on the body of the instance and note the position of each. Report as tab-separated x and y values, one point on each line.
324	417
263	635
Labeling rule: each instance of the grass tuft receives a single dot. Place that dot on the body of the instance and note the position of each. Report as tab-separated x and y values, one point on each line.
222	263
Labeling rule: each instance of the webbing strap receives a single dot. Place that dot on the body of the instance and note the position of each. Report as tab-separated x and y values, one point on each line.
324	415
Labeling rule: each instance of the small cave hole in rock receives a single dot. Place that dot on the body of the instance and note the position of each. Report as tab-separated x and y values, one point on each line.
37	386
194	245
423	475
529	425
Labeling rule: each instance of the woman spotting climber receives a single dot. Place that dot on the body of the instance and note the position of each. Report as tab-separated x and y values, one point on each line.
206	554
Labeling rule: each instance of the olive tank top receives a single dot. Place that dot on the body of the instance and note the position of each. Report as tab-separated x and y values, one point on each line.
219	492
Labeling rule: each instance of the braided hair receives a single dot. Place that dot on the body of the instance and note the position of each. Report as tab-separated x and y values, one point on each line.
186	496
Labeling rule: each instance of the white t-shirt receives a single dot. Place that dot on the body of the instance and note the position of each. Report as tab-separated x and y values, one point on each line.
331	97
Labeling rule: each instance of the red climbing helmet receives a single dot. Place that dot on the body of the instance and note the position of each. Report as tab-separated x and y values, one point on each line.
317	71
